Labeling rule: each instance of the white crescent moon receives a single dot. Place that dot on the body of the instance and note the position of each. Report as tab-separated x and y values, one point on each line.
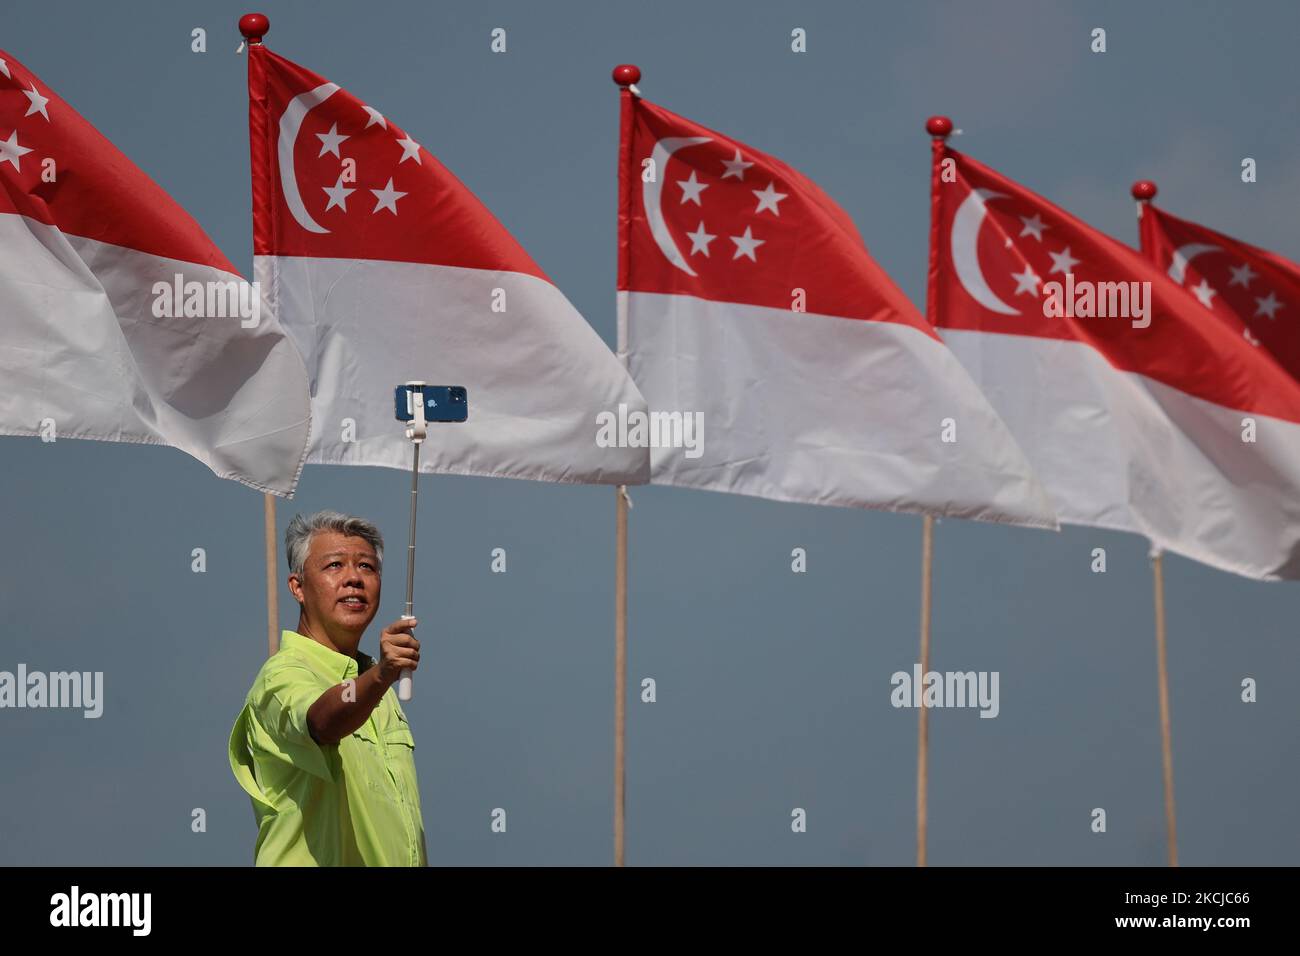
1184	255
965	257
290	124
651	194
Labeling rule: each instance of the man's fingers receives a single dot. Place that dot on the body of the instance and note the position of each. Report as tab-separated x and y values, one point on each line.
400	655
399	646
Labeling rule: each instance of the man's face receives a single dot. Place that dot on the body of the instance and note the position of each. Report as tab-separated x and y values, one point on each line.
340	585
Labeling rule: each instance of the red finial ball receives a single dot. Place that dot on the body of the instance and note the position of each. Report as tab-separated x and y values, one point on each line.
625	74
254	26
938	126
1144	189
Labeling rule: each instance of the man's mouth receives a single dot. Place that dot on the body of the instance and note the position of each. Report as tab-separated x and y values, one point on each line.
356	603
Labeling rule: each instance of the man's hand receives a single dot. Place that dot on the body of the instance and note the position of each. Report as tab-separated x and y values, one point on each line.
398	650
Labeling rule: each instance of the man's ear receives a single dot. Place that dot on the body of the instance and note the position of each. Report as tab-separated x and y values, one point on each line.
295	587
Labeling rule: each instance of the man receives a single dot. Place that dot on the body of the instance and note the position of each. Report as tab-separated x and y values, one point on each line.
322	746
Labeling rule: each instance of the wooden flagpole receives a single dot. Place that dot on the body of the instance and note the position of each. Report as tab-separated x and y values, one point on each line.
1162	670
253	26
625	76
939	128
620	673
923	726
272	593
1144	191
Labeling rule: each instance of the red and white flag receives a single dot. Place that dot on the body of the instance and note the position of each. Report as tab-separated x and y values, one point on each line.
750	305
122	321
1139	412
384	268
1257	293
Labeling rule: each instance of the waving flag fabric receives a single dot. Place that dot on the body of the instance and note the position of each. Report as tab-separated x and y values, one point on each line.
121	320
1257	293
384	268
1140	410
749	304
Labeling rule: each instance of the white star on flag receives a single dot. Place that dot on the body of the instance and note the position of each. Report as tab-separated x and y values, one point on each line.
1034	226
37	103
1063	262
736	167
1026	281
691	189
330	142
1204	293
1241	275
768	198
1267	305
410	150
4	68
387	197
11	152
700	240
746	244
375	117
338	194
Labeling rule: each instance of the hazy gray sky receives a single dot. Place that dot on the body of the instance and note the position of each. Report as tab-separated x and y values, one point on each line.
773	687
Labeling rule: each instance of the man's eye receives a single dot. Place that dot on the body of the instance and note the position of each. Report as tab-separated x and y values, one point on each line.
332	564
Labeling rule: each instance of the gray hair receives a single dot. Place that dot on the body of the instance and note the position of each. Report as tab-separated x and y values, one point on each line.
297	537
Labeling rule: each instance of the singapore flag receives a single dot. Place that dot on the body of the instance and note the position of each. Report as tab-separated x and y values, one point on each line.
748	299
122	321
1144	406
384	268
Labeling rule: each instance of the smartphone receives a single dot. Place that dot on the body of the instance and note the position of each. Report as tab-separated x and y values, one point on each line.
442	403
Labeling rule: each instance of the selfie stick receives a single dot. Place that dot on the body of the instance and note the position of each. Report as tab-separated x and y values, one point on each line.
416	432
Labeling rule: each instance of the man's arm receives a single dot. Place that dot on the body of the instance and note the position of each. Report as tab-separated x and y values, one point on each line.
338	712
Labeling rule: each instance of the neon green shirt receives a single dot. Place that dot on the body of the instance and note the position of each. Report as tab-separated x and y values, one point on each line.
354	803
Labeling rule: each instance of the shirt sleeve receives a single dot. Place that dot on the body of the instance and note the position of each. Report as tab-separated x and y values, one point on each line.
241	759
279	707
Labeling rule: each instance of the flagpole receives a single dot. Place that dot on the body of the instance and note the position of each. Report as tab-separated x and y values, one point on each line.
939	127
625	75
923	726
1162	670
620	673
253	26
272	597
1144	190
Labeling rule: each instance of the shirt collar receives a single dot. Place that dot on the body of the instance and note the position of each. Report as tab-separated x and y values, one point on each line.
328	658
